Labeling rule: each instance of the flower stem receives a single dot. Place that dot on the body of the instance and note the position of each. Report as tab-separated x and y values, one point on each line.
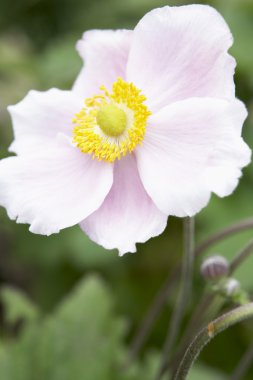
211	303
209	332
162	295
184	294
241	256
243	365
220	235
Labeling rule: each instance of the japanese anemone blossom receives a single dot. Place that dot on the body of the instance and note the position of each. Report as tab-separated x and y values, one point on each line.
150	128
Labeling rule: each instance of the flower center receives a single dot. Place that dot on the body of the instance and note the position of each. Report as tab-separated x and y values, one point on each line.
111	124
112	120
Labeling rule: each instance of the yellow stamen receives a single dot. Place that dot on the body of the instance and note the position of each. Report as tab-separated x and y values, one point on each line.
111	124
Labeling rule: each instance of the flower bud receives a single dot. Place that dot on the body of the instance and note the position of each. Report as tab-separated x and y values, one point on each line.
231	287
214	267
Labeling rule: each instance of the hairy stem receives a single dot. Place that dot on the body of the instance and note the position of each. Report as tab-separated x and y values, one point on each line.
204	311
209	332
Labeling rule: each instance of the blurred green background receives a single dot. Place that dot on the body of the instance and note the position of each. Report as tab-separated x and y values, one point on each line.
68	308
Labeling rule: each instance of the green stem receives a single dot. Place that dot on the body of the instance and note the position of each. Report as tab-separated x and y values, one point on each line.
241	256
206	310
163	293
184	294
210	302
209	332
220	235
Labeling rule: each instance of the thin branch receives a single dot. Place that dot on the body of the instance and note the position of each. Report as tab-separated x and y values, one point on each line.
209	332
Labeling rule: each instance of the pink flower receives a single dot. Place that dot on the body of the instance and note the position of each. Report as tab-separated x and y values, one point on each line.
161	134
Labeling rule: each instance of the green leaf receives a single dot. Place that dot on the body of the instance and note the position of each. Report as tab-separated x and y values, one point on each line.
82	339
17	305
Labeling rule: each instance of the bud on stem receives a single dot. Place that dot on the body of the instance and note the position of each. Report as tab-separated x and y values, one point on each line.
214	268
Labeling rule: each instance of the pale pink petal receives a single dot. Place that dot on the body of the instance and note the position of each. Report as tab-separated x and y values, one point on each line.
105	54
187	150
128	215
224	165
181	52
54	189
40	116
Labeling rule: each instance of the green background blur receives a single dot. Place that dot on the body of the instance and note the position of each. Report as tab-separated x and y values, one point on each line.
65	302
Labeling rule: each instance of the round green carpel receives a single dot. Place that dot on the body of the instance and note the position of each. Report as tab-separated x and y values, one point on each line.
112	120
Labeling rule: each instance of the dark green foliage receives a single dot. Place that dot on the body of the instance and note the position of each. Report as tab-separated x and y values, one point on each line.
82	338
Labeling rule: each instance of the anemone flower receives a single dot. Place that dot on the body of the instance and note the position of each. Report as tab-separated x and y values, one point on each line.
150	128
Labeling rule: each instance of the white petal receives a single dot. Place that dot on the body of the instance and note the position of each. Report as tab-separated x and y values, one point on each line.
128	215
105	54
187	149
181	52
54	189
224	165
40	116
